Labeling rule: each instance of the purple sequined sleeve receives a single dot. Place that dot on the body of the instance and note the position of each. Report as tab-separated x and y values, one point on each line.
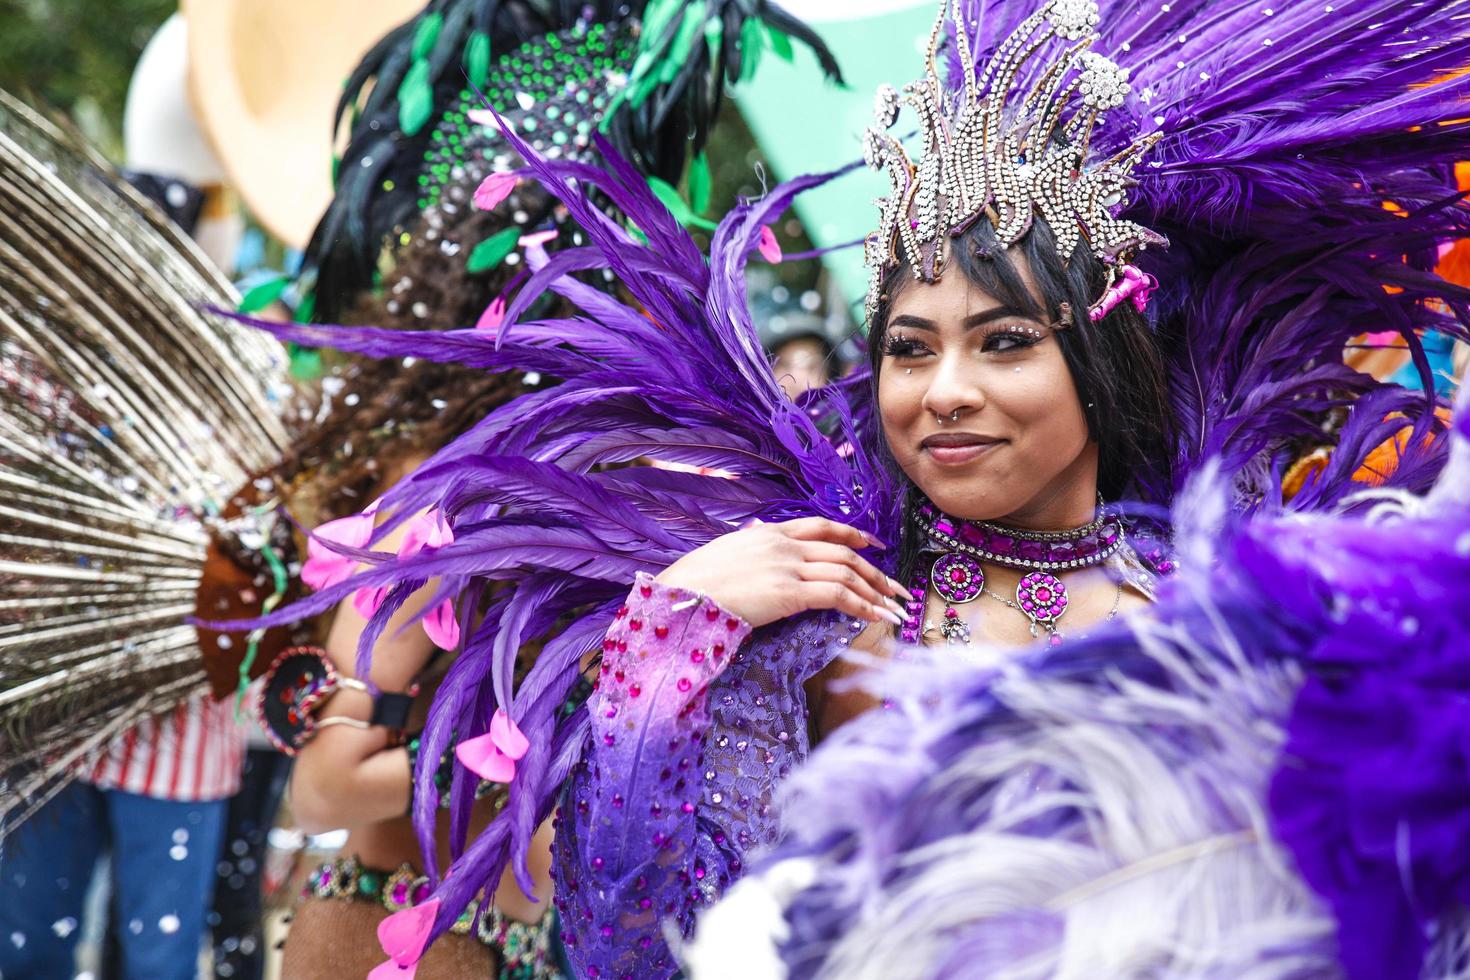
692	730
625	844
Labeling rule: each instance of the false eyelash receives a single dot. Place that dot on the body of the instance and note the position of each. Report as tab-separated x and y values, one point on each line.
1019	331
899	346
1024	337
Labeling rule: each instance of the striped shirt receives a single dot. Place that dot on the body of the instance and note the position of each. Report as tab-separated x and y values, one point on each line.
190	754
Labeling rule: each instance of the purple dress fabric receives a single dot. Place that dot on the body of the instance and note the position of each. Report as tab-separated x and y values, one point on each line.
693	728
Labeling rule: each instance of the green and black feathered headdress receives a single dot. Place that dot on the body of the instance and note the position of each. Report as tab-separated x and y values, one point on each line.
649	75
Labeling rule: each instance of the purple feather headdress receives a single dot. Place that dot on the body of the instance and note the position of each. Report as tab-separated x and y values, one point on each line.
1300	165
1276	260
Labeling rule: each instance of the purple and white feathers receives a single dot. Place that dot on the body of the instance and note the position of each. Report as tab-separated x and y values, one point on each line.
1267	775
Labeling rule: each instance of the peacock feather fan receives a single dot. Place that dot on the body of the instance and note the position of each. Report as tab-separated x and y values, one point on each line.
127	417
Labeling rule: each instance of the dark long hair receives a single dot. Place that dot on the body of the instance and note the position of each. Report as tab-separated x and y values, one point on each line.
1115	363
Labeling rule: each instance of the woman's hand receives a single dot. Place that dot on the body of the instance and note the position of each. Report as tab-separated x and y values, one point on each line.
767	572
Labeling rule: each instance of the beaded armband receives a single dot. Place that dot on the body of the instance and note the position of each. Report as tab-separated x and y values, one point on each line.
299	682
523	949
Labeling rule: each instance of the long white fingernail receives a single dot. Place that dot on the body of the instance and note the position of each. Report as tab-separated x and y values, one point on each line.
890	615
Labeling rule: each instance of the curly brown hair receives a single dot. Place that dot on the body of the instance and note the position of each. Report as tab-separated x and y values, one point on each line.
373	415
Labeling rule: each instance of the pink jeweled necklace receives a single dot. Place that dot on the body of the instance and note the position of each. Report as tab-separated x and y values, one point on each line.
957	576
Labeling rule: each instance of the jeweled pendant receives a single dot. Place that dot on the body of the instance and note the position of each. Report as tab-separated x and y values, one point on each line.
954	629
957	578
1043	597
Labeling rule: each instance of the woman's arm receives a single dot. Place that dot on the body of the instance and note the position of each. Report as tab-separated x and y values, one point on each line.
347	777
626	841
690	734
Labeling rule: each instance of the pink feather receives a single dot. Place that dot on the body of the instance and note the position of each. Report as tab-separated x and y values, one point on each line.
404	934
769	248
494	189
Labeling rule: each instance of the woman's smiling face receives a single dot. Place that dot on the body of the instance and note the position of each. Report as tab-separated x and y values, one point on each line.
978	405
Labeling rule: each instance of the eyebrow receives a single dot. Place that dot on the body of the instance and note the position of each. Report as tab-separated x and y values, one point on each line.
969	323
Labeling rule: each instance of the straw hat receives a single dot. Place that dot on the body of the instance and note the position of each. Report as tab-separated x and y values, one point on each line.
265	76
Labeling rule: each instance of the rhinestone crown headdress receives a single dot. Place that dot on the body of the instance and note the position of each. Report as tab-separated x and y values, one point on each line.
989	150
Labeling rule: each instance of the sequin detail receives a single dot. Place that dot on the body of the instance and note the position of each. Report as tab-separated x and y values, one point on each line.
656	826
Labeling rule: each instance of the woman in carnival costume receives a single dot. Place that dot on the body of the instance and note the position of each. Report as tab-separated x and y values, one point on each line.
422	233
1018	394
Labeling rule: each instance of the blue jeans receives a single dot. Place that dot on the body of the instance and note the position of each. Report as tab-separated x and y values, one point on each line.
163	859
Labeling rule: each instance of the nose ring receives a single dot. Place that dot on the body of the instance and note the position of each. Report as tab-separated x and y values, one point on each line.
953	417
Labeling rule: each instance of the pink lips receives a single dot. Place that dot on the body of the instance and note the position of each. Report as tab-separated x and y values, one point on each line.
958	448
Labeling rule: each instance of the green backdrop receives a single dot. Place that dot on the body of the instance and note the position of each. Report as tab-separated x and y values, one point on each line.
804	125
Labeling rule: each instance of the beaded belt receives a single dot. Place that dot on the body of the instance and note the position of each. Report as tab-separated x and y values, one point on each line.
524	950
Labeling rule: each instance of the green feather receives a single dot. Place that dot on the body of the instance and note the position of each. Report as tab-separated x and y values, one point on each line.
780	42
641	91
493	250
415	99
305	308
658	16
689	32
477	58
426	34
699	184
649	66
752	42
666	193
259	297
714	36
607	117
671	200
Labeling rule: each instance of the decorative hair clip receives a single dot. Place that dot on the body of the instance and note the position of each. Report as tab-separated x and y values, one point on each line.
1132	284
1005	150
299	682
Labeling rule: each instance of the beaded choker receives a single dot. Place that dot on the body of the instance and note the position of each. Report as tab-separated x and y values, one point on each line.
1042	551
957	576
